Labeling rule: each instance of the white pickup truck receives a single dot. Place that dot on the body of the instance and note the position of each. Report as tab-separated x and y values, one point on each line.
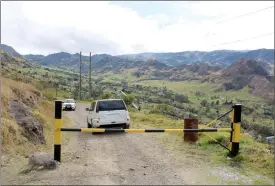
69	104
108	113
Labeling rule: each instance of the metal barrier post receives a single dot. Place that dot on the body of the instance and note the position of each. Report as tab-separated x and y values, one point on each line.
57	130
236	130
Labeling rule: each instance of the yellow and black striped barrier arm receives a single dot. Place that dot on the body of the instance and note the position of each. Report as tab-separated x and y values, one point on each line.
102	130
57	130
236	130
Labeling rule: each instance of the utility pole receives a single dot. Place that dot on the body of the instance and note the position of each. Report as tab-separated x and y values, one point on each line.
80	76
56	85
56	91
90	87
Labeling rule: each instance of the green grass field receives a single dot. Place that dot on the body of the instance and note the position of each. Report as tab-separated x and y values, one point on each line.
190	88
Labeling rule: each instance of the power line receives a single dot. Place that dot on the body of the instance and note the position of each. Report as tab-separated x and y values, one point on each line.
255	37
239	16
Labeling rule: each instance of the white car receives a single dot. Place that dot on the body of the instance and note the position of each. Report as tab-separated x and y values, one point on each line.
69	104
108	113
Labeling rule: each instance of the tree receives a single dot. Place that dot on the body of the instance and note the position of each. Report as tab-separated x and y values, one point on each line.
212	104
181	98
217	102
203	103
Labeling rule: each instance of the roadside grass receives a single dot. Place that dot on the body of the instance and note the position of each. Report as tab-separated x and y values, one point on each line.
51	93
261	181
84	101
254	157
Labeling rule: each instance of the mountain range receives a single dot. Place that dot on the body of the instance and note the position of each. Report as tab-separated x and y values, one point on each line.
232	69
213	58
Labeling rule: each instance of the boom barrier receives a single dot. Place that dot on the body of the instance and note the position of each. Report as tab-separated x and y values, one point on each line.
234	130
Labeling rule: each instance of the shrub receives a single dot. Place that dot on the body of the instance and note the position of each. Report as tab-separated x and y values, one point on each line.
203	103
129	99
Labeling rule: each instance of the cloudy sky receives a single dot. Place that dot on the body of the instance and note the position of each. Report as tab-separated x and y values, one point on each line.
135	27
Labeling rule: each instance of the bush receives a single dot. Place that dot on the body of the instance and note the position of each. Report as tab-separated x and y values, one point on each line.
203	103
129	99
181	98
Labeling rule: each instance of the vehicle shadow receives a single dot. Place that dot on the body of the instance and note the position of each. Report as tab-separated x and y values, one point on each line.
109	133
99	134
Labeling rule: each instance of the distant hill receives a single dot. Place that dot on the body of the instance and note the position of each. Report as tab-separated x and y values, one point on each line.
10	63
245	67
9	50
245	72
64	59
33	57
218	57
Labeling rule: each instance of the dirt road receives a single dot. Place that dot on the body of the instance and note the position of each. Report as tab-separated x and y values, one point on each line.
120	158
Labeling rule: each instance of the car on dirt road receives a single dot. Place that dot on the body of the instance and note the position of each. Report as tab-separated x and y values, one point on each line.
108	113
69	104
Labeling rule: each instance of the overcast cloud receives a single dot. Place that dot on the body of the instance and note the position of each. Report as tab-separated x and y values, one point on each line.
134	27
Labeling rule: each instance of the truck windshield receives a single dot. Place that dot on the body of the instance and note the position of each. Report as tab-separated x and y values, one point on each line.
111	105
69	101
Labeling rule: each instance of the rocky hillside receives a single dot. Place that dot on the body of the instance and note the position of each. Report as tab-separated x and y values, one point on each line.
245	67
9	50
9	64
245	72
23	108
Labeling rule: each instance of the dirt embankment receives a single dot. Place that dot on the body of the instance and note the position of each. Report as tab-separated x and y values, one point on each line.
20	125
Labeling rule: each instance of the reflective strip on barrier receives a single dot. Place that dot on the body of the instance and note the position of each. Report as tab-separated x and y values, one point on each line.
236	133
57	132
